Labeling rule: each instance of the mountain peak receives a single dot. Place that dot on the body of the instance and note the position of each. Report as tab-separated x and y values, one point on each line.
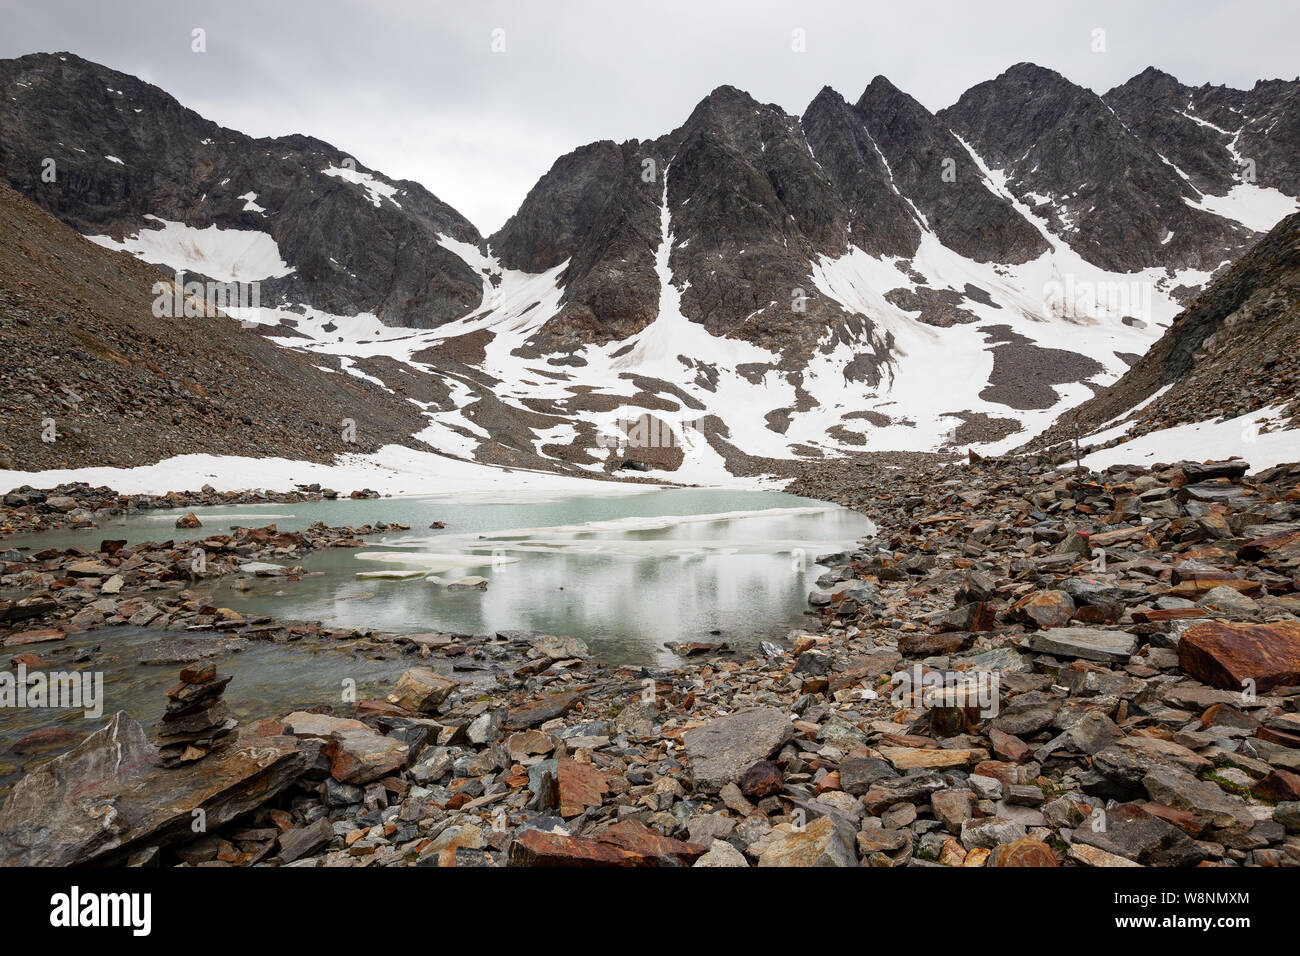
1032	72
827	95
1150	82
727	96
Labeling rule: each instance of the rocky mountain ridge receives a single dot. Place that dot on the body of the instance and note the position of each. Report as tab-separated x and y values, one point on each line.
348	239
92	376
767	286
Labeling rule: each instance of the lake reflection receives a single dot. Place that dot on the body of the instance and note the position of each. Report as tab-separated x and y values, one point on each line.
626	573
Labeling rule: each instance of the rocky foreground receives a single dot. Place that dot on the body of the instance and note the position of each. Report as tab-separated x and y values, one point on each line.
1025	667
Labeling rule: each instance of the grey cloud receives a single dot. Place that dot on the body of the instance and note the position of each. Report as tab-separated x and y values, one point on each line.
414	89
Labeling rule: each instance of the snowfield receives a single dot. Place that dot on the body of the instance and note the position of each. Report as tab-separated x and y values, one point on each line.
1241	437
227	255
931	380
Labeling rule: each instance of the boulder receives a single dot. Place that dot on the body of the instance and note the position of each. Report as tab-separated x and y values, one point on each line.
823	842
1131	832
1228	655
1044	609
722	854
1087	643
421	690
108	795
1174	787
580	784
656	848
360	756
1022	852
720	751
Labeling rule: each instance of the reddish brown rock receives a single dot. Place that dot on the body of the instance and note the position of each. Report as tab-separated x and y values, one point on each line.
1197	584
199	673
761	780
1280	544
931	645
581	785
634	837
1279	785
1023	852
1193	824
1044	609
999	770
1228	655
421	690
1153	615
1275	736
535	848
34	637
1009	747
360	756
1099	614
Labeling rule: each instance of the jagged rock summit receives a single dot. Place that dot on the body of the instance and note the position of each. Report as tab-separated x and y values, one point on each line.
755	285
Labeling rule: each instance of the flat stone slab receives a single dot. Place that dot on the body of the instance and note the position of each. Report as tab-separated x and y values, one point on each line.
1087	643
302	723
723	749
913	758
108	794
42	636
1227	655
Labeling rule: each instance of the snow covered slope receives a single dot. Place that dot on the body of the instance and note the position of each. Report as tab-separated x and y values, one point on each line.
748	289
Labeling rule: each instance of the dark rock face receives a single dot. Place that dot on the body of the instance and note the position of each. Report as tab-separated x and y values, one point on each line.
880	221
756	195
1200	128
745	191
963	212
353	250
1111	196
749	208
593	209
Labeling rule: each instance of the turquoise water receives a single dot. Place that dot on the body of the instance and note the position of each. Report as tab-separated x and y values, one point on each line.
626	573
270	680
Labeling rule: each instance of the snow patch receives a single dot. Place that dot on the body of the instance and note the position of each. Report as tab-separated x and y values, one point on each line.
1210	440
227	255
376	189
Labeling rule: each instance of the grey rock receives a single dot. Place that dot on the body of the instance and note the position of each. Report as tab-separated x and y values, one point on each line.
723	749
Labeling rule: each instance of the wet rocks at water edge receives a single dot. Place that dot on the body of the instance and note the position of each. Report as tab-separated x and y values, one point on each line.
81	505
196	719
78	589
972	688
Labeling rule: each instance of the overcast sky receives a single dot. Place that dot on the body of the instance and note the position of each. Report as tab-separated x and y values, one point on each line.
416	90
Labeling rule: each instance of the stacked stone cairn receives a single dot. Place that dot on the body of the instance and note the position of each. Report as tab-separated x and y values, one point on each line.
196	718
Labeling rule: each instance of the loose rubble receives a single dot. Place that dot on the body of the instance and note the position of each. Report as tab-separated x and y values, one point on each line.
1026	666
79	505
